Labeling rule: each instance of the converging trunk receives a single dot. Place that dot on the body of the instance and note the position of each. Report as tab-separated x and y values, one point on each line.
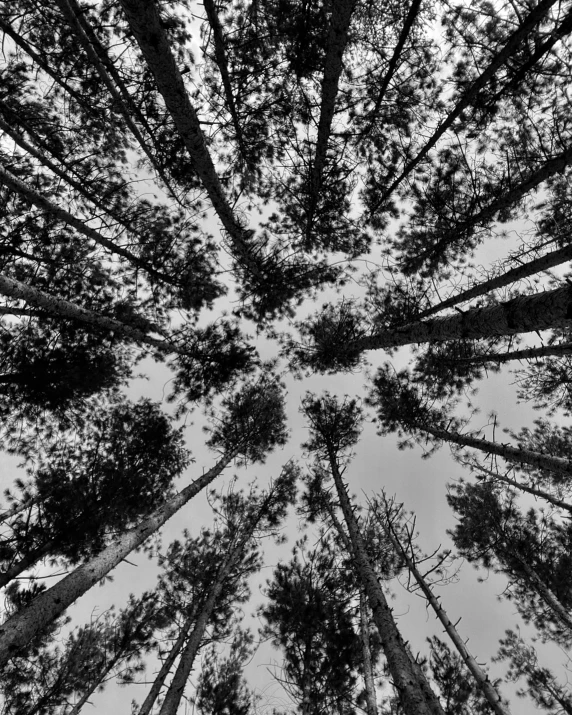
19	630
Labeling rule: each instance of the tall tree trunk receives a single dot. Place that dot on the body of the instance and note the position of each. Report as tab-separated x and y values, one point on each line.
524	354
61	308
369	682
17	631
506	451
25	563
93	687
415	694
545	593
482	679
544	263
165	669
523	30
99	58
145	23
18	509
525	314
35	198
523	487
181	676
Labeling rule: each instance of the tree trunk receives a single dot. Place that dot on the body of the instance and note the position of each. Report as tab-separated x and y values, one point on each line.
488	689
61	308
93	687
524	354
415	694
518	485
145	23
18	508
544	263
506	451
525	314
369	682
24	564
17	631
13	183
166	666
177	686
544	592
523	30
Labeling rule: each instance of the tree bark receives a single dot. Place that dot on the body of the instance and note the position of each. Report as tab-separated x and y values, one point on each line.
525	314
61	308
482	679
524	354
22	627
145	23
506	451
25	563
544	592
165	669
415	694
369	682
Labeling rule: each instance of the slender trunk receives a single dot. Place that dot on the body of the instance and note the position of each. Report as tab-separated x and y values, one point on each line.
25	563
392	66
306	682
524	354
93	687
222	64
482	679
555	165
35	198
415	694
177	686
99	58
18	509
145	23
506	451
545	593
369	682
22	627
80	188
525	314
529	490
544	263
167	665
333	64
512	44
60	308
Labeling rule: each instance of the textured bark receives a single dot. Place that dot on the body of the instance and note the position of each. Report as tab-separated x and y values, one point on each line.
165	669
415	694
482	679
524	354
544	263
17	631
525	314
60	308
366	657
506	451
532	19
524	488
145	23
181	676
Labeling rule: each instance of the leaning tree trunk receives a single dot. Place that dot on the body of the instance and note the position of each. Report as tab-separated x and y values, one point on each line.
25	563
506	451
415	694
488	689
19	630
525	314
165	669
370	697
524	354
181	676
